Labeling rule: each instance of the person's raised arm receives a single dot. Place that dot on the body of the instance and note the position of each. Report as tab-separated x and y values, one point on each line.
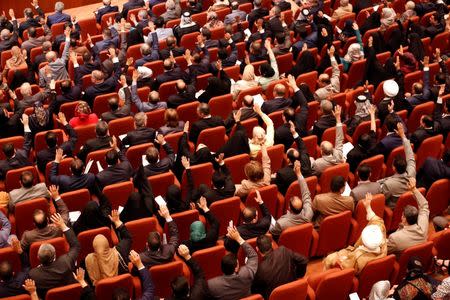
273	60
155	42
134	95
373	121
270	130
197	290
125	239
30	286
251	266
422	203
74	245
173	229
88	292
265	163
409	154
426	78
213	232
60	205
307	211
335	73
339	133
65	54
27	133
148	287
73	137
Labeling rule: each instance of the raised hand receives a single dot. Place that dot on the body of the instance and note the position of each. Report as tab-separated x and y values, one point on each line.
372	110
233	234
186	127
292	128
53	191
12	14
59	155
25	120
164	212
219	159
183	251
291	81
412	183
298	168
203	204
129	61
79	276
67	32
355	26
331	51
426	61
61	119
258	197
114	217
337	113
136	259
366	201
58	221
113	143
29	286
237	115
400	130
15	244
185	162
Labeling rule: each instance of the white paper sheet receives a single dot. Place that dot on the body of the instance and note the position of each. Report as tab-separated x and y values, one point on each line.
347	190
258	100
144	160
74	215
88	166
120	209
346	148
199	93
122	136
160	201
99	166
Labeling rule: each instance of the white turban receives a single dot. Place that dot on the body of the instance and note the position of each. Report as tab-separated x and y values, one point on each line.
372	237
390	88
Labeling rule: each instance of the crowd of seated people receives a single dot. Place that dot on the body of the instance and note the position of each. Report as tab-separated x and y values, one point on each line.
268	119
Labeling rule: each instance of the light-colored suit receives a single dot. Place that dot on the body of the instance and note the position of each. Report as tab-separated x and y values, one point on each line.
319	165
334	87
394	186
359	192
58	68
236	286
22	194
329	204
411	235
290	219
37	41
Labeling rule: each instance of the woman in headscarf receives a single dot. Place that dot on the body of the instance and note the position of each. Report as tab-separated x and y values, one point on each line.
247	81
41	119
199	238
212	21
370	246
94	215
380	291
139	204
18	61
387	18
355	52
416	285
306	63
218	85
106	262
186	26
83	115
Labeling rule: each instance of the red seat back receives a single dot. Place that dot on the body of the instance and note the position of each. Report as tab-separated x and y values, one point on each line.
337	285
214	138
269	194
68	292
330	134
201	173
235	165
441	242
8	254
39	139
330	172
104	288
163	275
293	290
209	260
139	230
59	243
161	182
360	214
183	220
284	62
12	178
121	126
87	237
334	233
155	118
221	105
188	112
135	153
118	193
374	271
436	196
422	251
24	213
420	110
290	237
97	156
168	88
354	74
84	133
76	200
376	166
101	103
250	91
430	147
226	210
63	168
294	190
309	79
276	155
404	200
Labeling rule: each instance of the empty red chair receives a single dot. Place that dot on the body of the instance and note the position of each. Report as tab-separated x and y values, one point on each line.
297	289
291	236
84	133
68	292
201	173
101	103
333	284
118	193
333	235
59	243
161	182
269	195
354	74
17	141
233	72
376	165
309	79
12	178
97	156
430	147
329	173
419	111
276	155
121	126
209	260
183	220
135	153
330	134
155	119
104	288
437	196
441	242
376	270
221	105
214	138
139	230
39	139
163	275
87	237
188	112
294	190
395	217
250	91
226	210
284	62
422	251
24	214
167	88
8	254
76	200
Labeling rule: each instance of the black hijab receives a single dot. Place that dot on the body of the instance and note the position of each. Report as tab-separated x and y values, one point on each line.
135	208
306	63
91	218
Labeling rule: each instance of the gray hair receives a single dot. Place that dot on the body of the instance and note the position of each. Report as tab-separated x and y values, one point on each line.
59	6
170	5
46	254
326	106
140	119
142	14
4	34
25	89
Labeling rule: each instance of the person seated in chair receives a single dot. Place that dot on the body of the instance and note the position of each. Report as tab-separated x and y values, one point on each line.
141	134
156	165
27	191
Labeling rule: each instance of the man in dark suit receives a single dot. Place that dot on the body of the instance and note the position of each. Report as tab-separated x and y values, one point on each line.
69	93
130	4
171	42
326	120
149	54
285	176
206	121
8	37
110	40
117	112
257	13
197	64
89	65
434	169
11	284
155	164
253	226
171	72
279	102
228	60
11	125
58	16
392	140
102	141
55	272
101	85
17	158
117	171
142	134
278	266
105	9
274	25
205	37
77	181
47	155
425	130
185	94
246	110
30	20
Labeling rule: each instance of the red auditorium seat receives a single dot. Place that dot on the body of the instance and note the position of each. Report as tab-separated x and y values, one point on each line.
437	202
97	156
221	105
209	260
330	134
101	103
309	79
201	173
333	235
226	210
393	218
183	220
189	40
290	237
248	124
250	91
39	139
68	109
8	254
12	179
24	214
202	82
156	66
385	268
276	155
272	200
235	165
420	110
327	175
68	292
87	237
399	151
360	215
17	141
104	288
313	108
294	190
430	147
161	182
271	86
135	153
422	251
163	275
139	230
63	168
277	118
19	297
376	165
297	289
118	193
166	89
233	72
188	112
354	73
172	140
59	243
121	126
76	200
155	119
333	284
363	127
284	62
84	133
214	138
441	244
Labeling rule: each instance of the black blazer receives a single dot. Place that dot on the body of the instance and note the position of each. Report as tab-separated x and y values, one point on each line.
163	165
276	104
202	124
120	172
174	74
176	51
85	69
273	27
420	135
71	183
94	144
255	14
121	112
188	95
107	86
139	136
324	122
19	160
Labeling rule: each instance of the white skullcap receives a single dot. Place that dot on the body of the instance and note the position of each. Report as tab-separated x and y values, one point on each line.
372	237
390	88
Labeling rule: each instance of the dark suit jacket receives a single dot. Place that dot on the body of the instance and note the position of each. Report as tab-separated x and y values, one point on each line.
432	170
278	267
85	69
139	136
273	27
19	160
71	183
103	11
324	122
14	287
94	144
420	135
176	51
387	144
174	74
121	112
186	96
59	272
165	253
12	126
255	14
120	172
107	86
202	124
163	165
276	104
58	17
31	22
216	194
246	113
252	230
358	154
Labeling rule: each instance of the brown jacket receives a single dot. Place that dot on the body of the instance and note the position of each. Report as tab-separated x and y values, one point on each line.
329	204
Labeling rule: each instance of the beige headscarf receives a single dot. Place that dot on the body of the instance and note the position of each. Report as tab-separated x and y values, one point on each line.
249	73
104	262
17	60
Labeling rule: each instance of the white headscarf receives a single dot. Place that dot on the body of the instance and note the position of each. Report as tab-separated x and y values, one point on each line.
380	290
354	53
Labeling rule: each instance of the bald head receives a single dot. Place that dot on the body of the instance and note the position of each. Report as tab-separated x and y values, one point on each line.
51	56
279	91
249	215
168	65
248	101
145	49
296	205
324	80
153	97
181	85
4	34
326	106
97	76
25	89
326	148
